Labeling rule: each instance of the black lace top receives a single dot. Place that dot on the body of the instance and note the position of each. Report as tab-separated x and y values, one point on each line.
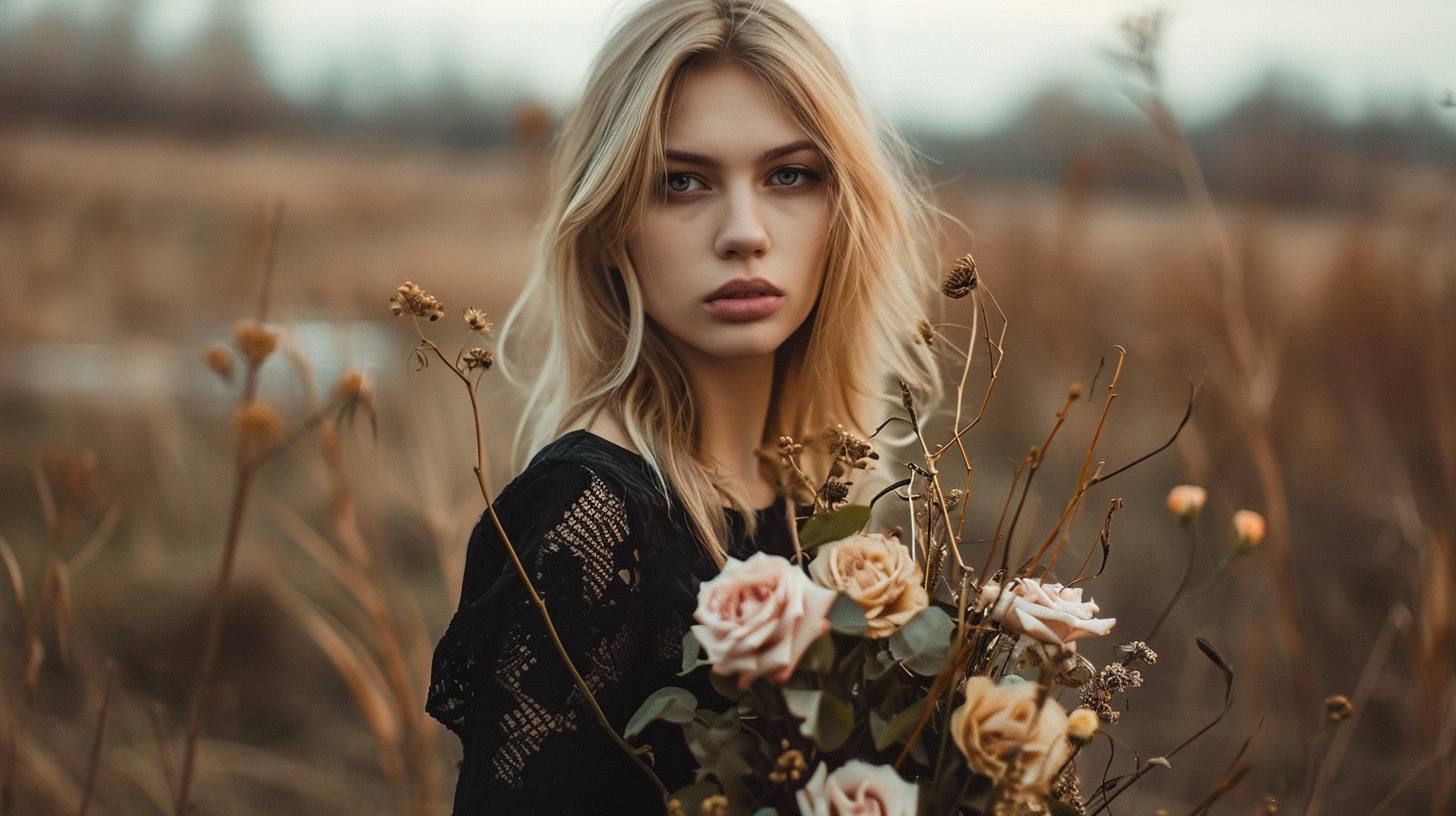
619	570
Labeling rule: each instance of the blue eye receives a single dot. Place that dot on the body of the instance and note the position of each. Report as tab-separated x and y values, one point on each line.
682	183
792	176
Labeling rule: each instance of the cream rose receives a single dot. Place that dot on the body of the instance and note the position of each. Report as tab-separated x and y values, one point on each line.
758	617
877	572
858	789
1047	613
1001	729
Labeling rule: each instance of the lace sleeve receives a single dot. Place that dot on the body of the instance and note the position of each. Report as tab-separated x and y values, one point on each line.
532	745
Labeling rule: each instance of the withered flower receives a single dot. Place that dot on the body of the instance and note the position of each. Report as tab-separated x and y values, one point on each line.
834	492
1114	679
849	451
715	805
254	340
476	358
926	332
1140	651
411	298
961	279
476	320
219	359
1337	708
259	424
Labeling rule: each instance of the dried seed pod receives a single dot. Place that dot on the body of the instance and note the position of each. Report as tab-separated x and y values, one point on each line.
411	298
219	359
254	341
476	320
961	279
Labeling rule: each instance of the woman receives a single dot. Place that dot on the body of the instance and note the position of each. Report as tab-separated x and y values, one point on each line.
729	257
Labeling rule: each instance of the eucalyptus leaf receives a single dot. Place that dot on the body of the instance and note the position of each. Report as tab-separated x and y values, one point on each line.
819	657
923	644
672	704
897	729
847	617
827	719
726	686
692	654
834	525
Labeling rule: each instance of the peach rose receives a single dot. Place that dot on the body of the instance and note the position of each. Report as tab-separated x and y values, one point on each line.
858	789
877	572
1001	729
757	618
1047	613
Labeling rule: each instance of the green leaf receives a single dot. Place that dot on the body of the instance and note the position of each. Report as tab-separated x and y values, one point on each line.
691	797
834	525
819	657
847	617
828	720
672	704
726	686
897	729
923	644
692	654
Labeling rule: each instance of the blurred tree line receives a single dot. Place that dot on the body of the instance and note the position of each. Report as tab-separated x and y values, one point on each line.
1278	147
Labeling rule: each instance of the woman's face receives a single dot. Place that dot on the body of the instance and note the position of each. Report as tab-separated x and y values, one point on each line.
730	255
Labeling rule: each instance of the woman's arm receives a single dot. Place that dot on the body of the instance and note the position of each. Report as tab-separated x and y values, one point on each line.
531	744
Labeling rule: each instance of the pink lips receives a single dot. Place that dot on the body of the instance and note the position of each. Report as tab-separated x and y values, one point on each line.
744	299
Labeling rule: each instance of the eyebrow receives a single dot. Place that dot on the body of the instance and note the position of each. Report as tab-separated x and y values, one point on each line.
768	155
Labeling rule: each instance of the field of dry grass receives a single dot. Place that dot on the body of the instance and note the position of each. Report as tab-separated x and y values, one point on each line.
124	255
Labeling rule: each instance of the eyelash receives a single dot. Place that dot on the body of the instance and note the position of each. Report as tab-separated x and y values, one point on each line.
804	176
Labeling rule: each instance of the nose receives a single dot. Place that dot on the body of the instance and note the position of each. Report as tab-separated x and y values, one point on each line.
743	233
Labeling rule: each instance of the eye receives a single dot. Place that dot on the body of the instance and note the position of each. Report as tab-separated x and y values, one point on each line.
682	183
793	176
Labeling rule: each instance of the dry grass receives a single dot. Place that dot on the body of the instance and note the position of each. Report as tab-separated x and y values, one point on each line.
130	253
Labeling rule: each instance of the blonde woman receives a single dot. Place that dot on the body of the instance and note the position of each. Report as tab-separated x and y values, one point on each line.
732	254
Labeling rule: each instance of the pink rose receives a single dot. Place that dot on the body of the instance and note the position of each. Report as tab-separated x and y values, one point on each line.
857	789
1047	613
757	618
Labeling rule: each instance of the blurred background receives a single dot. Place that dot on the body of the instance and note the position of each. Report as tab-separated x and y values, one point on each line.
145	144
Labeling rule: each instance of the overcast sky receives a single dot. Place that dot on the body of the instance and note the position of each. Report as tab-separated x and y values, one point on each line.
954	64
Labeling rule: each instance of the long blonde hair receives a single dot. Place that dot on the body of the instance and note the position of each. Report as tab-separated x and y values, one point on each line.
582	305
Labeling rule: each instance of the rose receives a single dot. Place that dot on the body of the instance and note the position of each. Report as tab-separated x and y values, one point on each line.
758	617
1047	613
857	789
876	572
1005	727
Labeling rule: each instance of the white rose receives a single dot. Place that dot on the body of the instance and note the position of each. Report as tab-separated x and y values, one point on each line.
877	572
1048	613
858	789
757	618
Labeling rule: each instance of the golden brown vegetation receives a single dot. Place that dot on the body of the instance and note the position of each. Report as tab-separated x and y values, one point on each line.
1327	385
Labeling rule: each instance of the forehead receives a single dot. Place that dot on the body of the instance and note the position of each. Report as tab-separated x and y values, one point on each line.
724	109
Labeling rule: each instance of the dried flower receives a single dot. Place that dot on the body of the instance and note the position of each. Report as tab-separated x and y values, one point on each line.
758	617
674	808
790	766
1140	651
1011	729
350	386
834	492
1082	725
1050	614
925	332
1114	679
1249	527
857	788
715	805
254	340
476	320
1185	501
1337	708
849	451
476	358
219	359
876	572
259	425
416	301
961	279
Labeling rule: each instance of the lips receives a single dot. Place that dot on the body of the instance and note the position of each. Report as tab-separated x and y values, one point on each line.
744	299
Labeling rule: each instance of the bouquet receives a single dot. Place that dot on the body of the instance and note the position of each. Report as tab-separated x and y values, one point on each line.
875	674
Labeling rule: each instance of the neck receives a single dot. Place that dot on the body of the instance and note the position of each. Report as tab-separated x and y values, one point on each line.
732	400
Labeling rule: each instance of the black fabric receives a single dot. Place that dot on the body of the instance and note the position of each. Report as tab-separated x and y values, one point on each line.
618	568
